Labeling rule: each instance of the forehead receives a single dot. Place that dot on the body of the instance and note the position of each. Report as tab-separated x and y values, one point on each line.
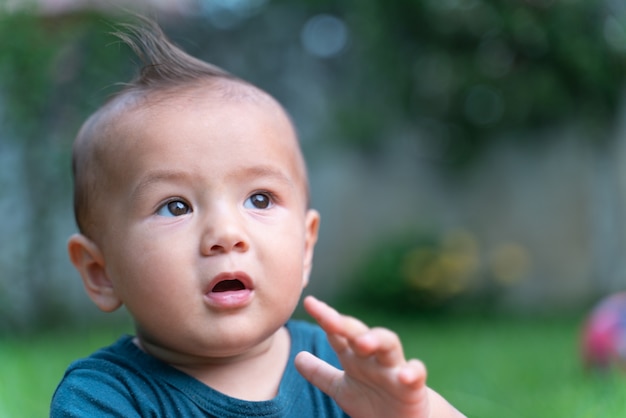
234	123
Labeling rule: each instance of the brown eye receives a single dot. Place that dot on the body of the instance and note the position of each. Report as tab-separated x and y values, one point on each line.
174	208
258	201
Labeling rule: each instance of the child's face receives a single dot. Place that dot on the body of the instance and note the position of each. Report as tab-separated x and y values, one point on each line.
206	236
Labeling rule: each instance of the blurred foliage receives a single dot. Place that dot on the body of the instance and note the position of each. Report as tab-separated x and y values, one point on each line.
48	67
465	72
39	57
457	74
422	271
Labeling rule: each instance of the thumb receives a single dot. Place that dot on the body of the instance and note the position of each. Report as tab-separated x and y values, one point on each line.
319	373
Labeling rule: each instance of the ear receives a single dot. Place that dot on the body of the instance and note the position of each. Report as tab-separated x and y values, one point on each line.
312	224
88	260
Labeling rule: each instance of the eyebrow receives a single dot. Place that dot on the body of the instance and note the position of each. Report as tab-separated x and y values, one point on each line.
157	176
265	171
163	175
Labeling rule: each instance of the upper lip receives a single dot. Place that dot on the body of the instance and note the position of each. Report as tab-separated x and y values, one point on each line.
240	276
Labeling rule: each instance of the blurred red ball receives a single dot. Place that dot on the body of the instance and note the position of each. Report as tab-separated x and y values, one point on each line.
604	334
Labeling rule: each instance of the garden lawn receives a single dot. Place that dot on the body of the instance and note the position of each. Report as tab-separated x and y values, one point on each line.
510	368
31	367
500	368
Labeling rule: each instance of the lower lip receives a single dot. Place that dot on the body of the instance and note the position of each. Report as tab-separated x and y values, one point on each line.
229	300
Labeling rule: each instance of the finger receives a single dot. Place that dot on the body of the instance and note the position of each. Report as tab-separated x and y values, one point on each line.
319	373
382	343
332	321
338	343
413	374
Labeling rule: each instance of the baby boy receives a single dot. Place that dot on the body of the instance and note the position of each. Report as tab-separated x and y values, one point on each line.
191	198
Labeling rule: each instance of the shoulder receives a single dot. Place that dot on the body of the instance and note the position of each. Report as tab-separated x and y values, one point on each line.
91	385
119	359
118	380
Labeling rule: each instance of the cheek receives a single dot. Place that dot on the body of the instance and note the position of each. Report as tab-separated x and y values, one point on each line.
149	267
284	250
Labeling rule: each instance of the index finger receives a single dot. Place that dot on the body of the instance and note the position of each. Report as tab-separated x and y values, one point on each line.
332	321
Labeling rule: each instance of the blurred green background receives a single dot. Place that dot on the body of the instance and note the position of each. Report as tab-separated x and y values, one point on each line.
467	157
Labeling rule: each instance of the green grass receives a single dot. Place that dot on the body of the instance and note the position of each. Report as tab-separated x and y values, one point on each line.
513	368
31	367
496	368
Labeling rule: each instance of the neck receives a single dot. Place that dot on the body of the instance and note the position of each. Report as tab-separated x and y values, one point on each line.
252	376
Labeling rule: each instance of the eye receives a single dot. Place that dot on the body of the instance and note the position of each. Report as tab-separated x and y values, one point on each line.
174	208
258	201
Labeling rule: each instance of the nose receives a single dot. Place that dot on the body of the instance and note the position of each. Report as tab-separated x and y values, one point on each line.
224	232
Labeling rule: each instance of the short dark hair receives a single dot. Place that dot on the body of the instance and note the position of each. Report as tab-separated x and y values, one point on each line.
164	64
165	67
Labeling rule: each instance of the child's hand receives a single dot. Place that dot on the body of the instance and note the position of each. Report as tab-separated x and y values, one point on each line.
377	380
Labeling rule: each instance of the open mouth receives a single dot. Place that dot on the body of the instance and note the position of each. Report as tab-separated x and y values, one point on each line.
230	290
228	286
